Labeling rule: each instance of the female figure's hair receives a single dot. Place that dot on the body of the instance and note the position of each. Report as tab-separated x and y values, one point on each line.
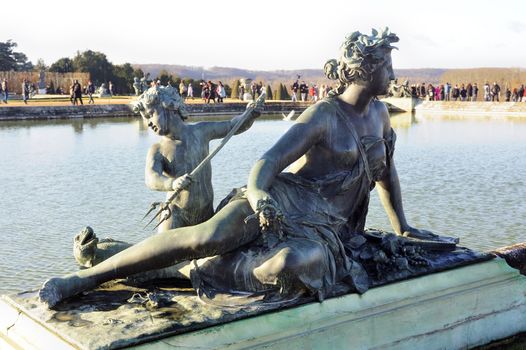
165	97
360	56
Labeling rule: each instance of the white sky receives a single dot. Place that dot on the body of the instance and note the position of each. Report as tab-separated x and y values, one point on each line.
268	34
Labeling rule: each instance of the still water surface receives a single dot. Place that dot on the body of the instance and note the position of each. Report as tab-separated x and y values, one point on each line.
463	178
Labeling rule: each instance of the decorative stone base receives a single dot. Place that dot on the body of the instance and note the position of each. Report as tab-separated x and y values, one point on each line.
455	309
120	110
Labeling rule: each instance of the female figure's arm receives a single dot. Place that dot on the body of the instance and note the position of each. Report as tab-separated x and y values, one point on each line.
304	134
391	195
389	186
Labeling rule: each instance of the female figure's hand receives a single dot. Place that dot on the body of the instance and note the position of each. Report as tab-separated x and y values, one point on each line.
427	235
269	214
419	234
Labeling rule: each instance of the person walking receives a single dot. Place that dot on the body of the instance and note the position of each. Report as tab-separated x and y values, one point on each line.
422	90
463	93
311	93
475	92
77	93
90	90
212	92
182	89
469	89
520	94
190	91
455	93
430	93
25	91
495	92
294	89
5	91
221	93
515	95
487	95
304	90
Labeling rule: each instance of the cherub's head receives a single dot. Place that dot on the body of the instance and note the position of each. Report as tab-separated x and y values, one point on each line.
157	105
361	57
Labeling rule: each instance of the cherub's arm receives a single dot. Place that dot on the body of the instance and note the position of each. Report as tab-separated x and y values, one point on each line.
217	130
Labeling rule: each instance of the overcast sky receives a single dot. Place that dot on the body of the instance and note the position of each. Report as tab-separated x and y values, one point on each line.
268	34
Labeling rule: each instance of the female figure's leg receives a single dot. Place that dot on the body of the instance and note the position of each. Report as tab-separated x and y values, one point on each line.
292	267
299	266
224	232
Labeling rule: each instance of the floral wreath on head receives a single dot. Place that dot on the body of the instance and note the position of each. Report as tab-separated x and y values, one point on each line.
361	54
166	97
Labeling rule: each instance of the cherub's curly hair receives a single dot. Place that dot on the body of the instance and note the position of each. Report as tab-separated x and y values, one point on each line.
167	97
360	55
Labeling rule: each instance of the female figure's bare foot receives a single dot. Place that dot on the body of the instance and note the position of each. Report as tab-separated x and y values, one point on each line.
56	289
50	293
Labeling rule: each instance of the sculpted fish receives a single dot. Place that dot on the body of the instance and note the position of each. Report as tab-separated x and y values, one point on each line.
88	250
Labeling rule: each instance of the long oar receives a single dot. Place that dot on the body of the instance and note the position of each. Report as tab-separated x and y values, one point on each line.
165	207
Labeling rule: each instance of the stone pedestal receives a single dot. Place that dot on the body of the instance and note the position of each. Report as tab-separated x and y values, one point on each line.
455	309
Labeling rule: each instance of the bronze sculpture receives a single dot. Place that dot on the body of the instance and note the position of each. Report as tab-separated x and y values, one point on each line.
287	233
180	150
399	90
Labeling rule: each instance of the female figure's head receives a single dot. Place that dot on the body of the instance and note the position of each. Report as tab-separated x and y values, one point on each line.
156	105
364	60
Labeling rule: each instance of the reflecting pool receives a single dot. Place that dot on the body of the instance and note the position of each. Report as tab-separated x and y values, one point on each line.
459	177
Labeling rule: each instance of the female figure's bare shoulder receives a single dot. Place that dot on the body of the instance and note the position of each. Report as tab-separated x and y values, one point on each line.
382	112
317	114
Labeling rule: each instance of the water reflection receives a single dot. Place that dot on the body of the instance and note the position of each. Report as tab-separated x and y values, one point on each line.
458	177
402	120
92	122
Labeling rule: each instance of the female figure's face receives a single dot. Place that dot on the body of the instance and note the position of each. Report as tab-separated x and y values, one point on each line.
382	76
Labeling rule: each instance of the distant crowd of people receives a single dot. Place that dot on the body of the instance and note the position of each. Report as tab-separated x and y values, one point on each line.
310	93
212	92
75	91
27	90
467	92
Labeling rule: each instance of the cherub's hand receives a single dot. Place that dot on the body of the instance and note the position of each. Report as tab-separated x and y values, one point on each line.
258	106
182	182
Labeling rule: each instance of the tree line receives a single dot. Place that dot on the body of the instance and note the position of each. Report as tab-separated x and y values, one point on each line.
100	69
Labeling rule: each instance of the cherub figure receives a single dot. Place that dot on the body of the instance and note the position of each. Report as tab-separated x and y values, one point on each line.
182	146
